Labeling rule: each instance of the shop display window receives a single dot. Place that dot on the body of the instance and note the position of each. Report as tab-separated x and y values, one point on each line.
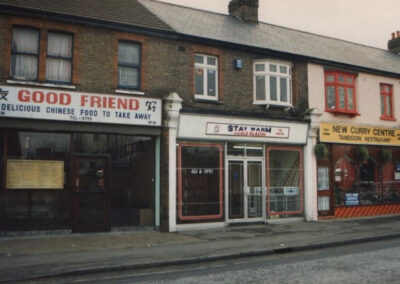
200	182
285	181
36	165
371	182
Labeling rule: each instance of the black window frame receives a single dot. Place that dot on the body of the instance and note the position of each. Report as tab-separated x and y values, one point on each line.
15	53
61	57
138	66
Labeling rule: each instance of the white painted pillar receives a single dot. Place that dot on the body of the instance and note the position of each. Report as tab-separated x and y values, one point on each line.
172	106
310	172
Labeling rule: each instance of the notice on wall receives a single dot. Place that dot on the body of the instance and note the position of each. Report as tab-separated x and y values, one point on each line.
247	130
358	134
80	107
35	174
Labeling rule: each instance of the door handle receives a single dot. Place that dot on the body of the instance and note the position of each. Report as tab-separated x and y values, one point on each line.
77	182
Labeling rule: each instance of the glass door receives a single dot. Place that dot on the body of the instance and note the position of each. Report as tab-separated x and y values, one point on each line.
246	194
90	195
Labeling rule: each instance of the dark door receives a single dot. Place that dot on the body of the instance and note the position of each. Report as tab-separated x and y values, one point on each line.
90	194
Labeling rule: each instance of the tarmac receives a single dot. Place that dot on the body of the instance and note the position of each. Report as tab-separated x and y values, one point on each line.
35	257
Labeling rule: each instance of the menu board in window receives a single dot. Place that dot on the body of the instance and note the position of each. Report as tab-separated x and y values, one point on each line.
35	174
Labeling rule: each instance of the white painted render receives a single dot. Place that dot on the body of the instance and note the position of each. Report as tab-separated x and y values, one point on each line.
367	96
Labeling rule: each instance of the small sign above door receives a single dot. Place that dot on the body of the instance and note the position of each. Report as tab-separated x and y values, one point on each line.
247	130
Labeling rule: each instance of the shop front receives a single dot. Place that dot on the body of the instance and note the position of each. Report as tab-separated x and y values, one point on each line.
80	161
360	175
232	170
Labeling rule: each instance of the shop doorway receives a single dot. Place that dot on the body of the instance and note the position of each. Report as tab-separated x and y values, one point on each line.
90	193
246	190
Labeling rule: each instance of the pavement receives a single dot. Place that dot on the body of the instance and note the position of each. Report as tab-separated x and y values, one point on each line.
35	257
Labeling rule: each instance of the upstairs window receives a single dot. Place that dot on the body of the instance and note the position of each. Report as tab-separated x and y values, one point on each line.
272	83
205	77
129	65
386	97
340	95
24	54
59	58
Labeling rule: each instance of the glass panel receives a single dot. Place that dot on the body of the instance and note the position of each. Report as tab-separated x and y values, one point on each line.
387	88
236	149
331	97
212	61
341	79
323	203
128	77
260	88
350	99
211	82
91	176
45	205
330	78
42	205
16	205
342	99
254	182
382	105
388	106
236	190
284	90
284	181
200	192
382	87
24	67
349	80
129	53
273	88
254	149
260	67
199	59
199	81
25	40
323	178
273	68
58	70
131	177
59	45
283	69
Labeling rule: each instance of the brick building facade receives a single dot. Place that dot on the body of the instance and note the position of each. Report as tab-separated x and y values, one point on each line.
129	117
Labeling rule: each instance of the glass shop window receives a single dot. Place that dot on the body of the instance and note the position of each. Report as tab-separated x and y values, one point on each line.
285	188
36	170
200	182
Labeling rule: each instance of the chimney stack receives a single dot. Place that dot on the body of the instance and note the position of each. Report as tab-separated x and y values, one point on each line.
246	10
394	43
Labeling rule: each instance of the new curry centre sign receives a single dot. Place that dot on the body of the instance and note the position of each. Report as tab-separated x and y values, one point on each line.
83	107
359	134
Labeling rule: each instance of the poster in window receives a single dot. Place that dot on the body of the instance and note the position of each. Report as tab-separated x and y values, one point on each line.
323	178
35	174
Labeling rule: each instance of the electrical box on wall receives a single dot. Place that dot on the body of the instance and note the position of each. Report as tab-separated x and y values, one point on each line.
238	63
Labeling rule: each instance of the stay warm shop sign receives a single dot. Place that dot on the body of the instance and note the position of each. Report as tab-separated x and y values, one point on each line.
73	106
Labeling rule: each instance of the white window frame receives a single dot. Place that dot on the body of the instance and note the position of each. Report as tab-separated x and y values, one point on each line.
267	74
205	67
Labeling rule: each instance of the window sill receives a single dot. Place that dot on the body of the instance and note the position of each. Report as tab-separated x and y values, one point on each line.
216	102
47	85
342	112
129	92
388	118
